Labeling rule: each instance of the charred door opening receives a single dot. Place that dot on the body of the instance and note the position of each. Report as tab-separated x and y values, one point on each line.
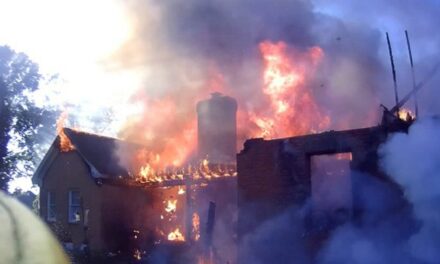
331	184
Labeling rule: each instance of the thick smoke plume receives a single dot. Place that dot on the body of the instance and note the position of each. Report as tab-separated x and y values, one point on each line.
188	49
412	160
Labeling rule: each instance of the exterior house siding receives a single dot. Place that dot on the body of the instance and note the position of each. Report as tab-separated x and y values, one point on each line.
69	172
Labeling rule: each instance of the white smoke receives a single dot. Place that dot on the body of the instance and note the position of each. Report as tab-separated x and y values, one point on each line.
412	160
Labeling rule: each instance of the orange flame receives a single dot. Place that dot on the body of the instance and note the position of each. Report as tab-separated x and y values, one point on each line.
167	126
406	114
168	135
176	235
293	110
171	206
147	175
137	254
181	191
196	226
65	143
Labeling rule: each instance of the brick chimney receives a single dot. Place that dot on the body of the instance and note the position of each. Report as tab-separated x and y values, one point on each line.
217	129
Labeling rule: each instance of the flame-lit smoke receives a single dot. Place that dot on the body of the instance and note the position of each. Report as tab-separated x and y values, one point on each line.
169	136
274	67
293	109
167	125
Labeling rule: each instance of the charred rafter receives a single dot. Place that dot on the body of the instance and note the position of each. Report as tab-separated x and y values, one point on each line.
205	179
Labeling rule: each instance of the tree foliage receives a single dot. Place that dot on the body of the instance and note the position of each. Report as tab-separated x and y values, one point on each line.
21	121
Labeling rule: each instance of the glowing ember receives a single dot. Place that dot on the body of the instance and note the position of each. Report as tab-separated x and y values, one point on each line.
181	191
406	114
343	156
171	206
196	226
204	166
137	254
176	235
136	234
293	110
65	143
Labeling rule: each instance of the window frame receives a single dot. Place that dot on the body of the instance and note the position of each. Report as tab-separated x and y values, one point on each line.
49	203
72	208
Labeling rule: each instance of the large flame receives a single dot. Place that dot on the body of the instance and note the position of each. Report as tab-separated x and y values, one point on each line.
168	135
293	109
167	125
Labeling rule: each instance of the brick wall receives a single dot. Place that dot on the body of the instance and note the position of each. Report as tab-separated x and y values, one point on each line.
275	174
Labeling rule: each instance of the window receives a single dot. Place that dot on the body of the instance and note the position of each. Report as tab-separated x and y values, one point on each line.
51	216
331	182
74	207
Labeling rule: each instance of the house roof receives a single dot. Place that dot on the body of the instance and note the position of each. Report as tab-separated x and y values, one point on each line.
107	158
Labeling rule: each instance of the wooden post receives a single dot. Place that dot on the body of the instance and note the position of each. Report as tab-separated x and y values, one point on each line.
396	96
412	73
189	209
208	249
210	224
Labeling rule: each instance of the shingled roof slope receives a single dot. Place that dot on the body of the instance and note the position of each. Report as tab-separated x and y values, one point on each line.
100	153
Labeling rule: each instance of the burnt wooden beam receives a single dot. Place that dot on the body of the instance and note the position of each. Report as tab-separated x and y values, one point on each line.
168	183
210	224
188	208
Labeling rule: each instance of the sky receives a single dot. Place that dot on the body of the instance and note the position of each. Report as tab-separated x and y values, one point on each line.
70	40
102	52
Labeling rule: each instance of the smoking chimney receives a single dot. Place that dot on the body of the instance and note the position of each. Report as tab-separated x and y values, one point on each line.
217	129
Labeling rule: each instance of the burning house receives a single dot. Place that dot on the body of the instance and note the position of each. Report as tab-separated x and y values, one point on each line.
77	202
187	198
94	198
90	199
219	209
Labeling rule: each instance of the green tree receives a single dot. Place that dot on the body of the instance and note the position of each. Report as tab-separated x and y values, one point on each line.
21	121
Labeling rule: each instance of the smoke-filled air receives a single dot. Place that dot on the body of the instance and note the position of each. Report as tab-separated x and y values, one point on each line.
224	131
293	68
